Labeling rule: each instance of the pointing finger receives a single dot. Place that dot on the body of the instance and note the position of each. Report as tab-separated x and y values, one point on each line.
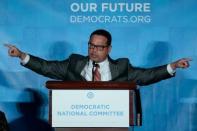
8	45
187	59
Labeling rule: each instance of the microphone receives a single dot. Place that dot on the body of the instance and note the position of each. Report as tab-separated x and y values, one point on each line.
94	65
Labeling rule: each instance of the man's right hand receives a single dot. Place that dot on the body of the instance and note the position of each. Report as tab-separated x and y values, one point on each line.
15	52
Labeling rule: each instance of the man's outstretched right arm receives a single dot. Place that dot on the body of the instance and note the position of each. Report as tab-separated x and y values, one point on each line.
52	69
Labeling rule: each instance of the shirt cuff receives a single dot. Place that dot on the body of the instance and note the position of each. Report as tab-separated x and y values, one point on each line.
26	60
170	70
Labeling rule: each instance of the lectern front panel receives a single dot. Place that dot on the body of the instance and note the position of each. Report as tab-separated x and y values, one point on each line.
90	108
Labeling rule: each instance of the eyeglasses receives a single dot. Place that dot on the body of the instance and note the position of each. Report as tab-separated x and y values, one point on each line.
98	47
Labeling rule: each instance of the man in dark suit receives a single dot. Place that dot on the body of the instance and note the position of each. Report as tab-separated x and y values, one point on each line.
3	122
79	68
83	68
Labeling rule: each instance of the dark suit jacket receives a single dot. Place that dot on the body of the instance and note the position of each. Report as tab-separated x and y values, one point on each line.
121	70
3	122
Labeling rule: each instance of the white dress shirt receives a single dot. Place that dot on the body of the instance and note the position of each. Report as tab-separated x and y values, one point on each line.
103	69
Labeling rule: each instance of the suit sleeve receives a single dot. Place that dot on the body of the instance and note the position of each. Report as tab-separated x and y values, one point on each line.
51	69
148	76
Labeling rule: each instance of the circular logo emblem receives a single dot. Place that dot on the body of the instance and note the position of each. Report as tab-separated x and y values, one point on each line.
90	95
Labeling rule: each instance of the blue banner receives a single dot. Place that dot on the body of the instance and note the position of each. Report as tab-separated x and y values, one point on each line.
148	32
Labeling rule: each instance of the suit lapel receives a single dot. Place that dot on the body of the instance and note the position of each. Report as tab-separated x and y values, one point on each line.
80	66
113	68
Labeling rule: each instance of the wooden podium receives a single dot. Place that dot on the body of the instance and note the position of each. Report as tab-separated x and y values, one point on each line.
135	112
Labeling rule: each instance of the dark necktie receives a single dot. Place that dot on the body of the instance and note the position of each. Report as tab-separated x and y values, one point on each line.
96	73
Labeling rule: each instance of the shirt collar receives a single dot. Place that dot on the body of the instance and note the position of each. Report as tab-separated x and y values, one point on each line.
101	64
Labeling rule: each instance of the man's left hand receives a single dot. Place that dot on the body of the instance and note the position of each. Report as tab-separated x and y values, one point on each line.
181	63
